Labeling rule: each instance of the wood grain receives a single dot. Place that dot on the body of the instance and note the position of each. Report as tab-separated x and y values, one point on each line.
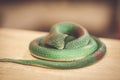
14	44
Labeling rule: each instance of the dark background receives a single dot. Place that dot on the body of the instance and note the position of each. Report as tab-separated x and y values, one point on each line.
100	17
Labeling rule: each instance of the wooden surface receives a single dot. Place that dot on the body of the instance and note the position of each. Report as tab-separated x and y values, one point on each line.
14	44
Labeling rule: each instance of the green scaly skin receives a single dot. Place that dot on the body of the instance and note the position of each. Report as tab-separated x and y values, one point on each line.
67	46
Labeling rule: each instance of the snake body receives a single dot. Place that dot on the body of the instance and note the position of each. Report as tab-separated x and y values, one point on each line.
67	46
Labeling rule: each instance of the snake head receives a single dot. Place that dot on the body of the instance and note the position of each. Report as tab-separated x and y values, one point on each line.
55	40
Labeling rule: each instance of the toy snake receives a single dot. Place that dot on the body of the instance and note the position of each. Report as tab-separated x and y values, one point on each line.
67	46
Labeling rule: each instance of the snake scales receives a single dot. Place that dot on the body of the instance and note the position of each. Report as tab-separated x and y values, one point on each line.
67	46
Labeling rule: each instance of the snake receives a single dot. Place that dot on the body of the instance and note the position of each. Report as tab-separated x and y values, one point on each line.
67	46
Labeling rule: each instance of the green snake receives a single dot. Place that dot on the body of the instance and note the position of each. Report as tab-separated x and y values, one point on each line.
67	46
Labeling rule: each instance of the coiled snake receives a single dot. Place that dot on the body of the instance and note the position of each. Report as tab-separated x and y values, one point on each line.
68	45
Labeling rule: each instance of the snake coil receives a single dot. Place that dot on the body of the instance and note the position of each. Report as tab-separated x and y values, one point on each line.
68	45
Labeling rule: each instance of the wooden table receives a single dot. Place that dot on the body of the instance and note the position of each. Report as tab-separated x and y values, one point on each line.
14	44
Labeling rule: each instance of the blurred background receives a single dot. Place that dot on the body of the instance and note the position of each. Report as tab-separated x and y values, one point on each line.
100	17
